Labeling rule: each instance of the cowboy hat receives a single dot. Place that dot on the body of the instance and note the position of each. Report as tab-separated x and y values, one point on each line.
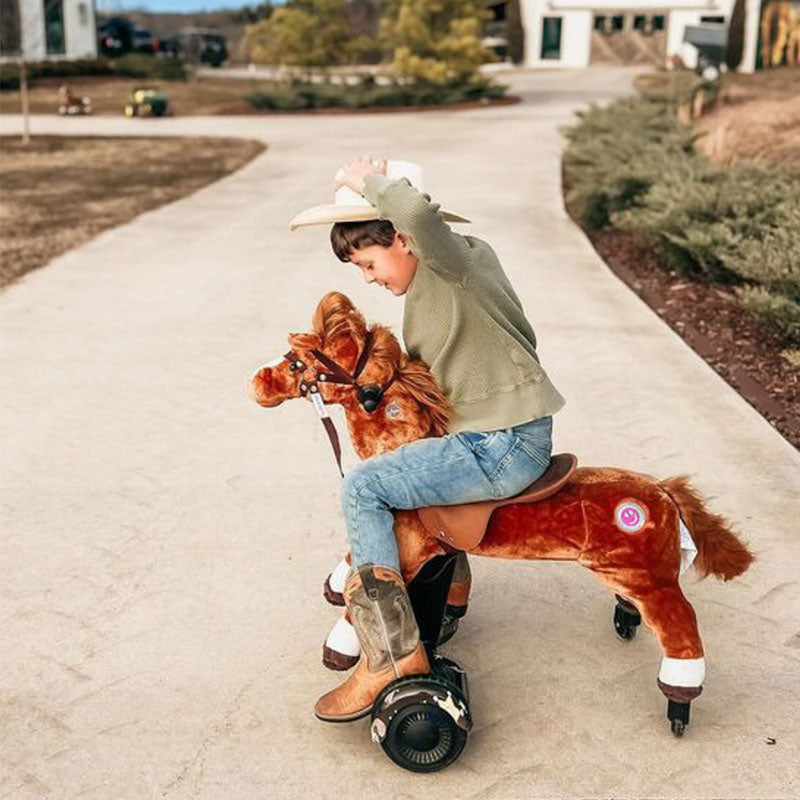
349	206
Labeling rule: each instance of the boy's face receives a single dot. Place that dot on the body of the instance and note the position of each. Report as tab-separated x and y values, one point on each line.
393	267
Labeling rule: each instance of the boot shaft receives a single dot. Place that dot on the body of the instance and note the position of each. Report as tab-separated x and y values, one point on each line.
381	613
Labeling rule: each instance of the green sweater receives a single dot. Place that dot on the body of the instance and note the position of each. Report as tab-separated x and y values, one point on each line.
463	318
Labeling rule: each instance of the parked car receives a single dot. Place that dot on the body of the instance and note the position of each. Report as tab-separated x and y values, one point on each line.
144	41
197	46
115	36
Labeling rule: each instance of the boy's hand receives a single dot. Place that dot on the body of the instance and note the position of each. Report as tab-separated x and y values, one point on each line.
352	172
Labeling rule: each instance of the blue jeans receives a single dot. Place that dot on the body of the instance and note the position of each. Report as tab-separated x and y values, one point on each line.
457	468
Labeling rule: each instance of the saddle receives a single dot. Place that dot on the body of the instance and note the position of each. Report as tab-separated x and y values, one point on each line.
463	526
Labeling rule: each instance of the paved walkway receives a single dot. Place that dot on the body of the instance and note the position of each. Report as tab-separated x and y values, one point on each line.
165	540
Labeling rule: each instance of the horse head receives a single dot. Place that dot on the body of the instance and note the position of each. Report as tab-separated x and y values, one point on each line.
388	398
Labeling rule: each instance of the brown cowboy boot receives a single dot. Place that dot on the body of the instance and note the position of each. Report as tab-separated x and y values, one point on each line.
381	613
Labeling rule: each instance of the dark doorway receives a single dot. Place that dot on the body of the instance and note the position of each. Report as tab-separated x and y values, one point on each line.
10	39
54	27
551	37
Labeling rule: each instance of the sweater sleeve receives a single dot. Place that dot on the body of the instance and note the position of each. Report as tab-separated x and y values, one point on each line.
412	212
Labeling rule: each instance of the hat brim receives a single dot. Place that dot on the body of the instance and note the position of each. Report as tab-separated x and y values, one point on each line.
329	214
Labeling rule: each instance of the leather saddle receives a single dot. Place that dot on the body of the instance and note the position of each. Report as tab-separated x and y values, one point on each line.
463	526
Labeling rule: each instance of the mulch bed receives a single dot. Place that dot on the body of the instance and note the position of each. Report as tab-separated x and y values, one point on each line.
741	348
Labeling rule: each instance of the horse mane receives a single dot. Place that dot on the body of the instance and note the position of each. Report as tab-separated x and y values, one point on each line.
336	317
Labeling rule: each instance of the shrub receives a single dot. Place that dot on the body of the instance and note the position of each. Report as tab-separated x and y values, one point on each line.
296	95
777	309
616	153
9	73
133	65
633	165
139	65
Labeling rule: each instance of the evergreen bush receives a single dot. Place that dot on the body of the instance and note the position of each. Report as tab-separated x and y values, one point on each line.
297	95
632	165
133	65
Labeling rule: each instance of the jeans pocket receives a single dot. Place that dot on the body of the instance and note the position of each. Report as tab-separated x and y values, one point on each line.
538	449
536	439
498	449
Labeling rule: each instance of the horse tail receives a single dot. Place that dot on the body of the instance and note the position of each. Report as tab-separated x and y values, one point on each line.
720	552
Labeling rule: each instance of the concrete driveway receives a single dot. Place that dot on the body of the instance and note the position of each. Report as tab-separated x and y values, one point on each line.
164	540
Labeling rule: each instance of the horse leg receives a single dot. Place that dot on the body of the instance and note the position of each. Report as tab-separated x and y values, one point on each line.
671	617
334	584
341	648
415	548
458	596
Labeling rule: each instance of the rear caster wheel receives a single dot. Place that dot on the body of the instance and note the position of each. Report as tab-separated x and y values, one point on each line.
626	619
421	722
678	727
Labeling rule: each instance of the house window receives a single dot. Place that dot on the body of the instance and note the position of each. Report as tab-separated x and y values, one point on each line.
551	37
83	14
54	27
639	22
658	22
499	11
712	19
599	22
9	28
616	22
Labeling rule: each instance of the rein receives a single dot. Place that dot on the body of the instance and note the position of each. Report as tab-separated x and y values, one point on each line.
369	396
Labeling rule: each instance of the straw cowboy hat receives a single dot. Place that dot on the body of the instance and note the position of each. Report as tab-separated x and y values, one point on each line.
349	206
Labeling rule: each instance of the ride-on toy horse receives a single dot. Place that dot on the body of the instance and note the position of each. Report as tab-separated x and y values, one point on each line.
627	527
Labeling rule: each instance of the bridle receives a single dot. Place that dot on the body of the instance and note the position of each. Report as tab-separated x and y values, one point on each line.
369	395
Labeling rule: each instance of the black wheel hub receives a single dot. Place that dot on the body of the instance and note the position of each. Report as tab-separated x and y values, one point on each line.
423	736
421	721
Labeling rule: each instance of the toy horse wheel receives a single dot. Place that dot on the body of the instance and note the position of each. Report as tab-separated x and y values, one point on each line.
421	722
626	620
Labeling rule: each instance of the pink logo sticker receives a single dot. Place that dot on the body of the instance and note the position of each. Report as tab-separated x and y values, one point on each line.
630	516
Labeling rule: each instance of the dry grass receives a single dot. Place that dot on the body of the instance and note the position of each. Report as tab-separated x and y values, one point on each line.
59	192
756	117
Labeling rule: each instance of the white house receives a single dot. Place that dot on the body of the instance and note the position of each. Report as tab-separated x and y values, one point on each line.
47	29
577	33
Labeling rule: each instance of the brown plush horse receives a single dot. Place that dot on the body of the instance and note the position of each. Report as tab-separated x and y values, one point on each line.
622	525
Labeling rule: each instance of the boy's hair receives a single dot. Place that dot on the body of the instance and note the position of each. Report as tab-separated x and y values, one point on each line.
345	236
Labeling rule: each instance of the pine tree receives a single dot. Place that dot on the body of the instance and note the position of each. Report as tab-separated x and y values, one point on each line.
435	41
302	33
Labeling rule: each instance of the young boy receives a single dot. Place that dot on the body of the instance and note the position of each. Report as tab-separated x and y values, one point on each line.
462	317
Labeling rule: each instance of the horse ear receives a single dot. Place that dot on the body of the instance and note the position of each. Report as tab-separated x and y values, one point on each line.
304	341
335	316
